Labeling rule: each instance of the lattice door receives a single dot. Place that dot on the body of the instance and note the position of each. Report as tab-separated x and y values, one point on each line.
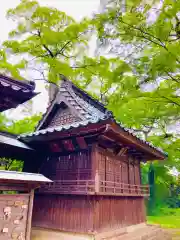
137	174
102	170
125	172
118	175
131	174
110	168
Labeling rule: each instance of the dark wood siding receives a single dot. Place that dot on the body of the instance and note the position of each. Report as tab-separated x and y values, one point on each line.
64	212
117	168
121	212
75	166
86	214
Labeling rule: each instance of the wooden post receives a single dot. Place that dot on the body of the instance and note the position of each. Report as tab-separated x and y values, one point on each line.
95	168
97	182
29	216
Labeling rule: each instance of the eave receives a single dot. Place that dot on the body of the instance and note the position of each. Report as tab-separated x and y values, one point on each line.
105	128
14	92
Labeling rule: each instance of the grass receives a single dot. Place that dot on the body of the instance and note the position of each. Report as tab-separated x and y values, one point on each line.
165	221
170	223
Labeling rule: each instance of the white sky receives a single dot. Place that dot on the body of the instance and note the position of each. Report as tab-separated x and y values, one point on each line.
75	8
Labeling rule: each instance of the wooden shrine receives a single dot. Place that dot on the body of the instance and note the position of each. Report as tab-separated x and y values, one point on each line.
16	188
94	163
16	203
13	93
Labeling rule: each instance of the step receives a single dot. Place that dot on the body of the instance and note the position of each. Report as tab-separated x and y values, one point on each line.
145	233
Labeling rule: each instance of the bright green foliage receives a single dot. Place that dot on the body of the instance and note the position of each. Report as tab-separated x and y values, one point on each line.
140	84
25	125
149	33
11	164
54	44
152	104
49	36
8	68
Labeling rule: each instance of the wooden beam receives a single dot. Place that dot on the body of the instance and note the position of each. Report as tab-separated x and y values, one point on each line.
123	151
55	147
11	187
81	142
68	145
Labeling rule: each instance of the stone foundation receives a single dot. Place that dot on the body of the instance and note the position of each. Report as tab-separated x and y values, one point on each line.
137	232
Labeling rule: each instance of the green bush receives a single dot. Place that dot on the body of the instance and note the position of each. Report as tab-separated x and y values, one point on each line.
165	211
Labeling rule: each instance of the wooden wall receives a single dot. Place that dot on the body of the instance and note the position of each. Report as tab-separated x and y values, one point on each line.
84	165
118	169
69	167
64	212
87	214
116	212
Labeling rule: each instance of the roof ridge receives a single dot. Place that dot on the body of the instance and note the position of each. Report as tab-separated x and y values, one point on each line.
93	99
85	105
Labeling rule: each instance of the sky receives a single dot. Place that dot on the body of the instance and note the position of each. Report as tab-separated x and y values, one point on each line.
75	8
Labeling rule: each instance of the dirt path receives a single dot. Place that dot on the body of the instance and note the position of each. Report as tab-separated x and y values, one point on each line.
175	233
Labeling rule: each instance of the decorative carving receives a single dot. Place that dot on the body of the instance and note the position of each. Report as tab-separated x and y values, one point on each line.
5	230
14	235
18	203
16	222
21	237
14	217
10	203
7	213
24	206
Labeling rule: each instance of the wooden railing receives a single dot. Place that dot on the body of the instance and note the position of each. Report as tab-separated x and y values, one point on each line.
123	188
90	187
69	187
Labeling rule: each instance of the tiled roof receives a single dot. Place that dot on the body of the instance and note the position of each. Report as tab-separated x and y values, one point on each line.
90	110
14	92
86	107
12	140
85	123
60	128
17	85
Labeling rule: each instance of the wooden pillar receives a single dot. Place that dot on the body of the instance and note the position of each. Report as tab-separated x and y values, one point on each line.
95	168
97	187
29	216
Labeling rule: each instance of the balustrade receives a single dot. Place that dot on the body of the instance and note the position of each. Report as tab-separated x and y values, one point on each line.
90	188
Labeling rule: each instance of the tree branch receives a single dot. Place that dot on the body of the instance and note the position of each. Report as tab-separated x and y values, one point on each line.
48	50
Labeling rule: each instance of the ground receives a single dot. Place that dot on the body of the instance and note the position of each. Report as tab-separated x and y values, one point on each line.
170	223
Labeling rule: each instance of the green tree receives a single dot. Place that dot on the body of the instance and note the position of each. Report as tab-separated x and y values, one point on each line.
24	125
147	36
152	51
50	39
142	79
52	43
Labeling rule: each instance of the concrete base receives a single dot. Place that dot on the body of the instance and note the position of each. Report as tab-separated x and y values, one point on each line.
136	232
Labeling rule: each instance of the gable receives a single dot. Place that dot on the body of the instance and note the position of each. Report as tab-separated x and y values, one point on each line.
72	105
62	114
